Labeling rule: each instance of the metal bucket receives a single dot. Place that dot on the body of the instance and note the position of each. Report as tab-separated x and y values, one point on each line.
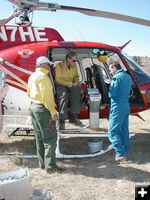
95	145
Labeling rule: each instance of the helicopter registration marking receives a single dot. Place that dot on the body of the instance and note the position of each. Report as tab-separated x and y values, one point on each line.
31	33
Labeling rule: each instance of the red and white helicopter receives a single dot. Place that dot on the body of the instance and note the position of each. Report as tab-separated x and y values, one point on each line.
22	43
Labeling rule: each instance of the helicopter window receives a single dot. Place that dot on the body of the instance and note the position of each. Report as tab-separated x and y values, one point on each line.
141	75
104	70
113	57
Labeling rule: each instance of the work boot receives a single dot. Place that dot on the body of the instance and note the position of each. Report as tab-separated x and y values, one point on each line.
55	169
62	124
75	120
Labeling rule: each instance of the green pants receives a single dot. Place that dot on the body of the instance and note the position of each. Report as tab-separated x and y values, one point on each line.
46	136
68	95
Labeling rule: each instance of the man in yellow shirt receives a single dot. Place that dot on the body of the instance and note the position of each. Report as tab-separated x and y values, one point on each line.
68	89
44	114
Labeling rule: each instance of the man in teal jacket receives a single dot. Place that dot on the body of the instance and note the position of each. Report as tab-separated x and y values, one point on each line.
118	131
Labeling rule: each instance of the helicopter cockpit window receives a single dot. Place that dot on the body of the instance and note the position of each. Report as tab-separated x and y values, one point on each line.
141	75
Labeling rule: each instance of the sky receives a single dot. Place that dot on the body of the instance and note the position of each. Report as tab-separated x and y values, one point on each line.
74	26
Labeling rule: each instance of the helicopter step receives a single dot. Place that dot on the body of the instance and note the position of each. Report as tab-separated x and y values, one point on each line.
94	139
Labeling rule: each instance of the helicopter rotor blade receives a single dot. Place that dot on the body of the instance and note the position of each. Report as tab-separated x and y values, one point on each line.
92	12
109	15
39	5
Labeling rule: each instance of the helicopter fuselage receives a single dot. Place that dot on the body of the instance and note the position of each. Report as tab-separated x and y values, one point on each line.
20	46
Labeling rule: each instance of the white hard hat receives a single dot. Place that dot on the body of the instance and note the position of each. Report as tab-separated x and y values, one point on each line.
43	60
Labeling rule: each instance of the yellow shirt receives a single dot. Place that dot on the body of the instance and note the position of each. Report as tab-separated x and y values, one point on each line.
40	89
65	76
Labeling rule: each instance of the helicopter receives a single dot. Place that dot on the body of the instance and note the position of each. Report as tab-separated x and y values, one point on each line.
22	44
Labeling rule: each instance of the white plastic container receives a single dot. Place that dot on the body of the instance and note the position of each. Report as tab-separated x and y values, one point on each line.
15	185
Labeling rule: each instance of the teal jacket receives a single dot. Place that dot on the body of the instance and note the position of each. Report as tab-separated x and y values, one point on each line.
120	87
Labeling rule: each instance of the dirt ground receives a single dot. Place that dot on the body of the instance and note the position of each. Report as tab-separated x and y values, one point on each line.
98	178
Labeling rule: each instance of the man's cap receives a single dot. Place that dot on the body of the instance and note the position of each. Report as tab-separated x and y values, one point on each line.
43	60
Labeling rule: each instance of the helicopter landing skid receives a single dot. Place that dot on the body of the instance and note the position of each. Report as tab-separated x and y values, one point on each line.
73	133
